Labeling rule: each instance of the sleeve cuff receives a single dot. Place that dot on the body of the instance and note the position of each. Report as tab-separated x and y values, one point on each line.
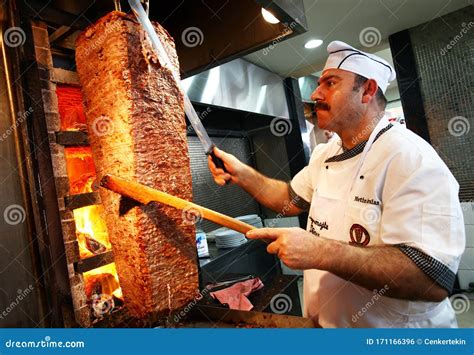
297	200
436	270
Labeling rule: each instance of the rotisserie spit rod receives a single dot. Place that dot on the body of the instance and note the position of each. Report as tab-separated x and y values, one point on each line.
145	195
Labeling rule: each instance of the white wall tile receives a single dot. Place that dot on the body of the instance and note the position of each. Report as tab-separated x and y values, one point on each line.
469	235
467	260
468	211
283	222
465	277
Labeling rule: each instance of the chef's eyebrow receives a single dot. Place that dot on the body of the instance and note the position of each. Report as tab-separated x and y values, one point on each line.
326	78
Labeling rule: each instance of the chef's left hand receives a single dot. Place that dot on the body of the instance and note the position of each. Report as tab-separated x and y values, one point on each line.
296	247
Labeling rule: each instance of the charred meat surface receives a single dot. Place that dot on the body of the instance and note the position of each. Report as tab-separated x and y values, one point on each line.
137	130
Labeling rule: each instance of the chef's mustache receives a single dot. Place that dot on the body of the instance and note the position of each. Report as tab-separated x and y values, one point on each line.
322	106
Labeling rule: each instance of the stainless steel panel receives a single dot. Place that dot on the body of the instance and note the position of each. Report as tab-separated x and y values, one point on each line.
239	85
307	85
20	303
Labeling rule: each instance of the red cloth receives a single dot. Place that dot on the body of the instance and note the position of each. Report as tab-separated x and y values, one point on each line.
236	295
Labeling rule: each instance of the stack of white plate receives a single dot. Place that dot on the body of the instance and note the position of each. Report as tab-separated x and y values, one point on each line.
227	238
252	219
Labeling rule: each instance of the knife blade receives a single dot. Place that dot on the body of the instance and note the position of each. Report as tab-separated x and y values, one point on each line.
160	51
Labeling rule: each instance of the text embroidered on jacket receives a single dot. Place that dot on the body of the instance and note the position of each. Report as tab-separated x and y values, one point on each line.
316	223
366	200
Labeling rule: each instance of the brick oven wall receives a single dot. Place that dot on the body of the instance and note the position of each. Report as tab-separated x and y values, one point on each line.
50	77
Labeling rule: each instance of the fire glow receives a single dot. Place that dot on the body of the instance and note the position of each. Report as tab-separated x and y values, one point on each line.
91	230
101	284
108	281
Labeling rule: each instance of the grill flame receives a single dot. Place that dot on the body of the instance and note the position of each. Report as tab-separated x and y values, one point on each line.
101	284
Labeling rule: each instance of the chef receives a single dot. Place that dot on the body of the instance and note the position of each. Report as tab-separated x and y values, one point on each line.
385	231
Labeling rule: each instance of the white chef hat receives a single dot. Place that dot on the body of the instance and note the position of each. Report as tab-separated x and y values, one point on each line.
343	56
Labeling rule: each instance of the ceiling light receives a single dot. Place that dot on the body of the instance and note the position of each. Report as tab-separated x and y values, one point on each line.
313	43
269	17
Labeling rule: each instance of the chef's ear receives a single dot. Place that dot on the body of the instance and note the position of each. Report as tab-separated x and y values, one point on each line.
370	90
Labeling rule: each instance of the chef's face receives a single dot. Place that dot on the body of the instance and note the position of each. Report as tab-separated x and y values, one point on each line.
337	104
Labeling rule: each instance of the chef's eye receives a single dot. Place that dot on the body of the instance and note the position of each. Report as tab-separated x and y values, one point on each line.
330	83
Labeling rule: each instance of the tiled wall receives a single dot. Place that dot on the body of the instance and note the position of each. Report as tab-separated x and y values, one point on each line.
444	52
466	268
444	55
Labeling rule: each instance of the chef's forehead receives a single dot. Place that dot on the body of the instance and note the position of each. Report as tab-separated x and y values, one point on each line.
341	73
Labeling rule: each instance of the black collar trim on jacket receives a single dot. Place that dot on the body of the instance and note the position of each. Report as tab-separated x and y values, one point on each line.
357	149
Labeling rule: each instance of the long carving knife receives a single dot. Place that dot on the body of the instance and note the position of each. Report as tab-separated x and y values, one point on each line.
188	107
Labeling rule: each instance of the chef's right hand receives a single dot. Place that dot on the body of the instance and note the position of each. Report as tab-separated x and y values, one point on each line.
233	166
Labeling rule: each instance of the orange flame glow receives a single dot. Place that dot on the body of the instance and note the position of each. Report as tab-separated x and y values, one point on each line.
91	230
109	282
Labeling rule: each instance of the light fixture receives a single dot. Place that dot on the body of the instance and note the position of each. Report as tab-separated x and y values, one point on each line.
269	17
313	43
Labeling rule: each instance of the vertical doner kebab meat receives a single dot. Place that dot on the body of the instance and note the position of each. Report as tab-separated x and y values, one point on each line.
137	130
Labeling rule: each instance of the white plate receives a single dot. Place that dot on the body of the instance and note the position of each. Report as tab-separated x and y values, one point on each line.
230	237
249	217
226	246
228	233
236	242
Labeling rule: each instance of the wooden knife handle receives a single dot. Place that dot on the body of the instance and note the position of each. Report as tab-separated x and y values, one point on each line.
145	195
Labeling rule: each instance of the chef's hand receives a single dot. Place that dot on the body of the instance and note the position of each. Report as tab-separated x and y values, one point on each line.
235	168
297	248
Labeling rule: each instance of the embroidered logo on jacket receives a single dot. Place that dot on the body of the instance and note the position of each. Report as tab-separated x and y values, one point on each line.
359	236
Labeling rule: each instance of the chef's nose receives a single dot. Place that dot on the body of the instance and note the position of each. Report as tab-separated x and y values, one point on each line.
316	95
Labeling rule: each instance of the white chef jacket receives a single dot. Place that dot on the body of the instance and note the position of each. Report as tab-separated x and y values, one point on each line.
403	195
